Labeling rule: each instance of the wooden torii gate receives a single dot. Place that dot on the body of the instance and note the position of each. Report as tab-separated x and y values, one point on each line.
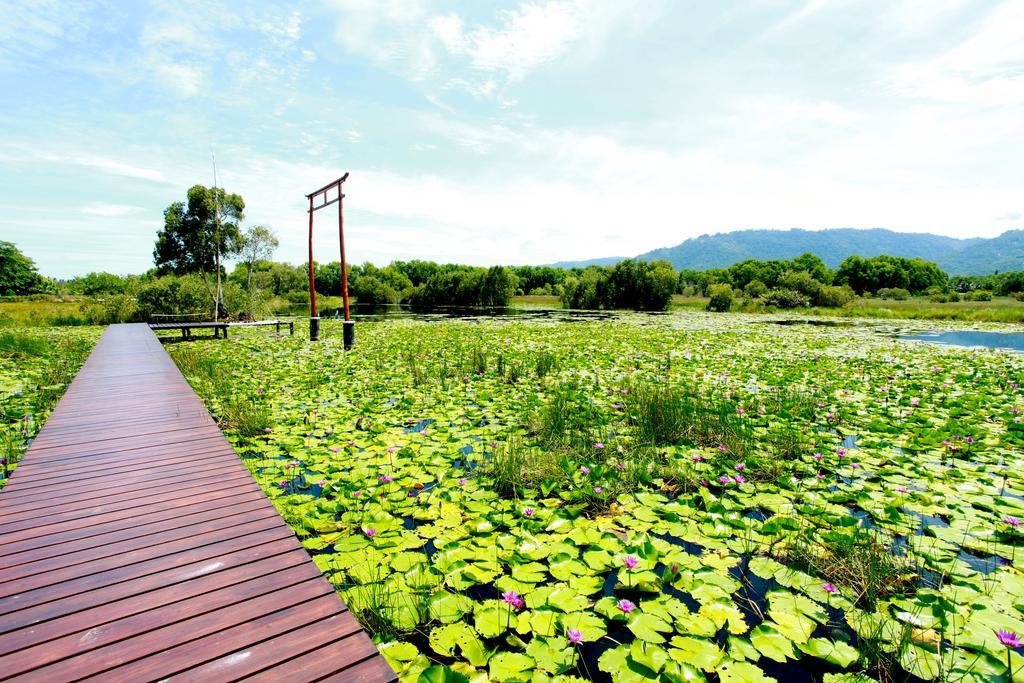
326	197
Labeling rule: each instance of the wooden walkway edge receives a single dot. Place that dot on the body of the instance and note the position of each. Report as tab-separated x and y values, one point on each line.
135	546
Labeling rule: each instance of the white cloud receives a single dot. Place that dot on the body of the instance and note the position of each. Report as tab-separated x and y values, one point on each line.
111	210
30	28
37	152
525	38
115	167
483	57
986	69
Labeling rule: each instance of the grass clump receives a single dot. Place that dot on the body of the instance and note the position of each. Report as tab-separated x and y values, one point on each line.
862	559
249	416
21	345
516	466
664	414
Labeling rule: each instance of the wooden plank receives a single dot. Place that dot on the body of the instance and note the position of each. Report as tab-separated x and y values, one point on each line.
79	645
136	545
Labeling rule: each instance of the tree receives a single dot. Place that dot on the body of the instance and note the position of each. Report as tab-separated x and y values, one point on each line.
258	244
18	273
198	234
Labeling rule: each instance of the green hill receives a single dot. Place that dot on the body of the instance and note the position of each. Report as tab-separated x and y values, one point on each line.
972	256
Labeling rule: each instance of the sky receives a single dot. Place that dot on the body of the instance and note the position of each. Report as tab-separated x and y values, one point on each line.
506	132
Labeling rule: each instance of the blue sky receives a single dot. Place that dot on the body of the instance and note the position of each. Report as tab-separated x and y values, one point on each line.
518	132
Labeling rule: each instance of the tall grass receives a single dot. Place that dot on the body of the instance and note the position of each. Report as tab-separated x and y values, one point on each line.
567	422
663	414
246	415
544	363
21	345
515	466
858	557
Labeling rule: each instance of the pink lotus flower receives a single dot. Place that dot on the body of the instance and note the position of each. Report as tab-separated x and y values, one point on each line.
322	483
722	448
386	478
1009	638
283	484
841	452
630	561
818	456
829	588
512	599
725	480
598	489
695	458
356	494
626	606
740	466
462	482
619	466
740	479
370	532
599	445
902	489
268	430
528	512
585	470
575	637
1012	521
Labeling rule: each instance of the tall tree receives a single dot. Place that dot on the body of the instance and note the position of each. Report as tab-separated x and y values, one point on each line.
17	272
197	234
258	244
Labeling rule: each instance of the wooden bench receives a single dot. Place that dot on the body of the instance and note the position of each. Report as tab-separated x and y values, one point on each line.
186	328
262	323
220	327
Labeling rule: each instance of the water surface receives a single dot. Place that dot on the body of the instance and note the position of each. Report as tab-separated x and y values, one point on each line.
1013	341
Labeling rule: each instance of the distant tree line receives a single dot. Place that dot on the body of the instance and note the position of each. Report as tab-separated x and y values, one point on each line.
204	232
807	281
636	285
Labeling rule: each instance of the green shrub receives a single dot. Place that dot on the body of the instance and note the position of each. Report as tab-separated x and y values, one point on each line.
787	298
172	295
800	281
894	293
721	298
980	295
118	308
755	289
834	297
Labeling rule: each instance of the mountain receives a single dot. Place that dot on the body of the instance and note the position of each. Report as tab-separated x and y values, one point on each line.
971	256
606	261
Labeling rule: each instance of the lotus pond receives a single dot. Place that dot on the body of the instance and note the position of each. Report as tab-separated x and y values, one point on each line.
677	498
36	365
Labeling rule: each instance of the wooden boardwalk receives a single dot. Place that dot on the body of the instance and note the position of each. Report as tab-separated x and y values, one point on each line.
135	546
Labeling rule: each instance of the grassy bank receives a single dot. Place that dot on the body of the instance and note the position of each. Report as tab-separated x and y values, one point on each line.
36	365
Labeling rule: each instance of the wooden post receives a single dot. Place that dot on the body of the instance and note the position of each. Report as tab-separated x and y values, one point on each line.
344	266
312	285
